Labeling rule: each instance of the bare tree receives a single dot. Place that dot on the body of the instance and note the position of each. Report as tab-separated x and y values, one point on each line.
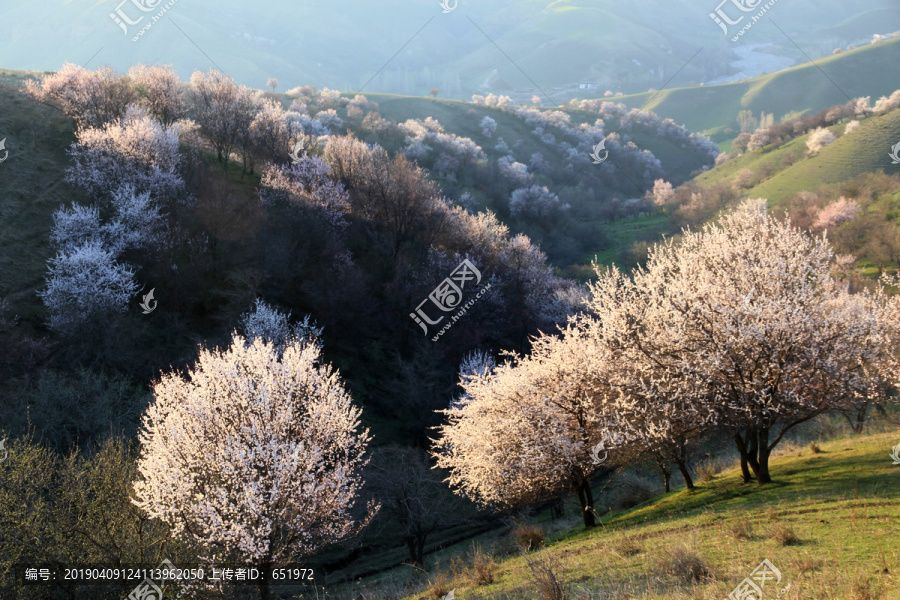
414	499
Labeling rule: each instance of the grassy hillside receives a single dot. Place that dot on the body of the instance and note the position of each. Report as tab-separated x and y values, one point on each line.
826	524
792	169
32	186
463	118
869	71
863	151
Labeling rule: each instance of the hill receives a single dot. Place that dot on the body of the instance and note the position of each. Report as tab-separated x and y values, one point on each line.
786	169
825	524
515	47
868	71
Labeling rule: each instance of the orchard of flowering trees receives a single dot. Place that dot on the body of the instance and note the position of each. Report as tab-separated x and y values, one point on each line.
739	329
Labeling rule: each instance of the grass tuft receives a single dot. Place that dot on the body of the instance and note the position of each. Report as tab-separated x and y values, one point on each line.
784	535
528	537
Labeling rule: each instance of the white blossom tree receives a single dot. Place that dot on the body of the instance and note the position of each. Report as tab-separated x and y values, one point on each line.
135	150
763	324
534	202
819	138
662	192
74	226
887	103
86	285
522	431
270	133
760	139
134	222
255	452
224	111
488	126
274	327
158	89
307	185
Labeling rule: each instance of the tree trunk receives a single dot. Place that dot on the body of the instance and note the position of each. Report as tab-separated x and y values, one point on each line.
411	546
420	551
742	450
860	418
586	499
667	474
681	459
760	457
682	466
752	450
263	585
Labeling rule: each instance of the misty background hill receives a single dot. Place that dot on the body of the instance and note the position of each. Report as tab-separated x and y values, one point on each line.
515	47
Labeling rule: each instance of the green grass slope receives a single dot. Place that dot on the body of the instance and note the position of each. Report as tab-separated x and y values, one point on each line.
463	119
868	71
793	169
840	503
32	187
863	151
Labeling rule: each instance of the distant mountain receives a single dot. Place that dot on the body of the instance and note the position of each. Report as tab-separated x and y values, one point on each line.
873	70
517	47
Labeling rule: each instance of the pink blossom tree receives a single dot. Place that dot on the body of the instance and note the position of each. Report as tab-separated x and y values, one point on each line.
836	213
91	98
158	89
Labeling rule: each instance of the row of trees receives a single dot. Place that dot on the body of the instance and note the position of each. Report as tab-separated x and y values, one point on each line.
738	330
758	134
233	119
